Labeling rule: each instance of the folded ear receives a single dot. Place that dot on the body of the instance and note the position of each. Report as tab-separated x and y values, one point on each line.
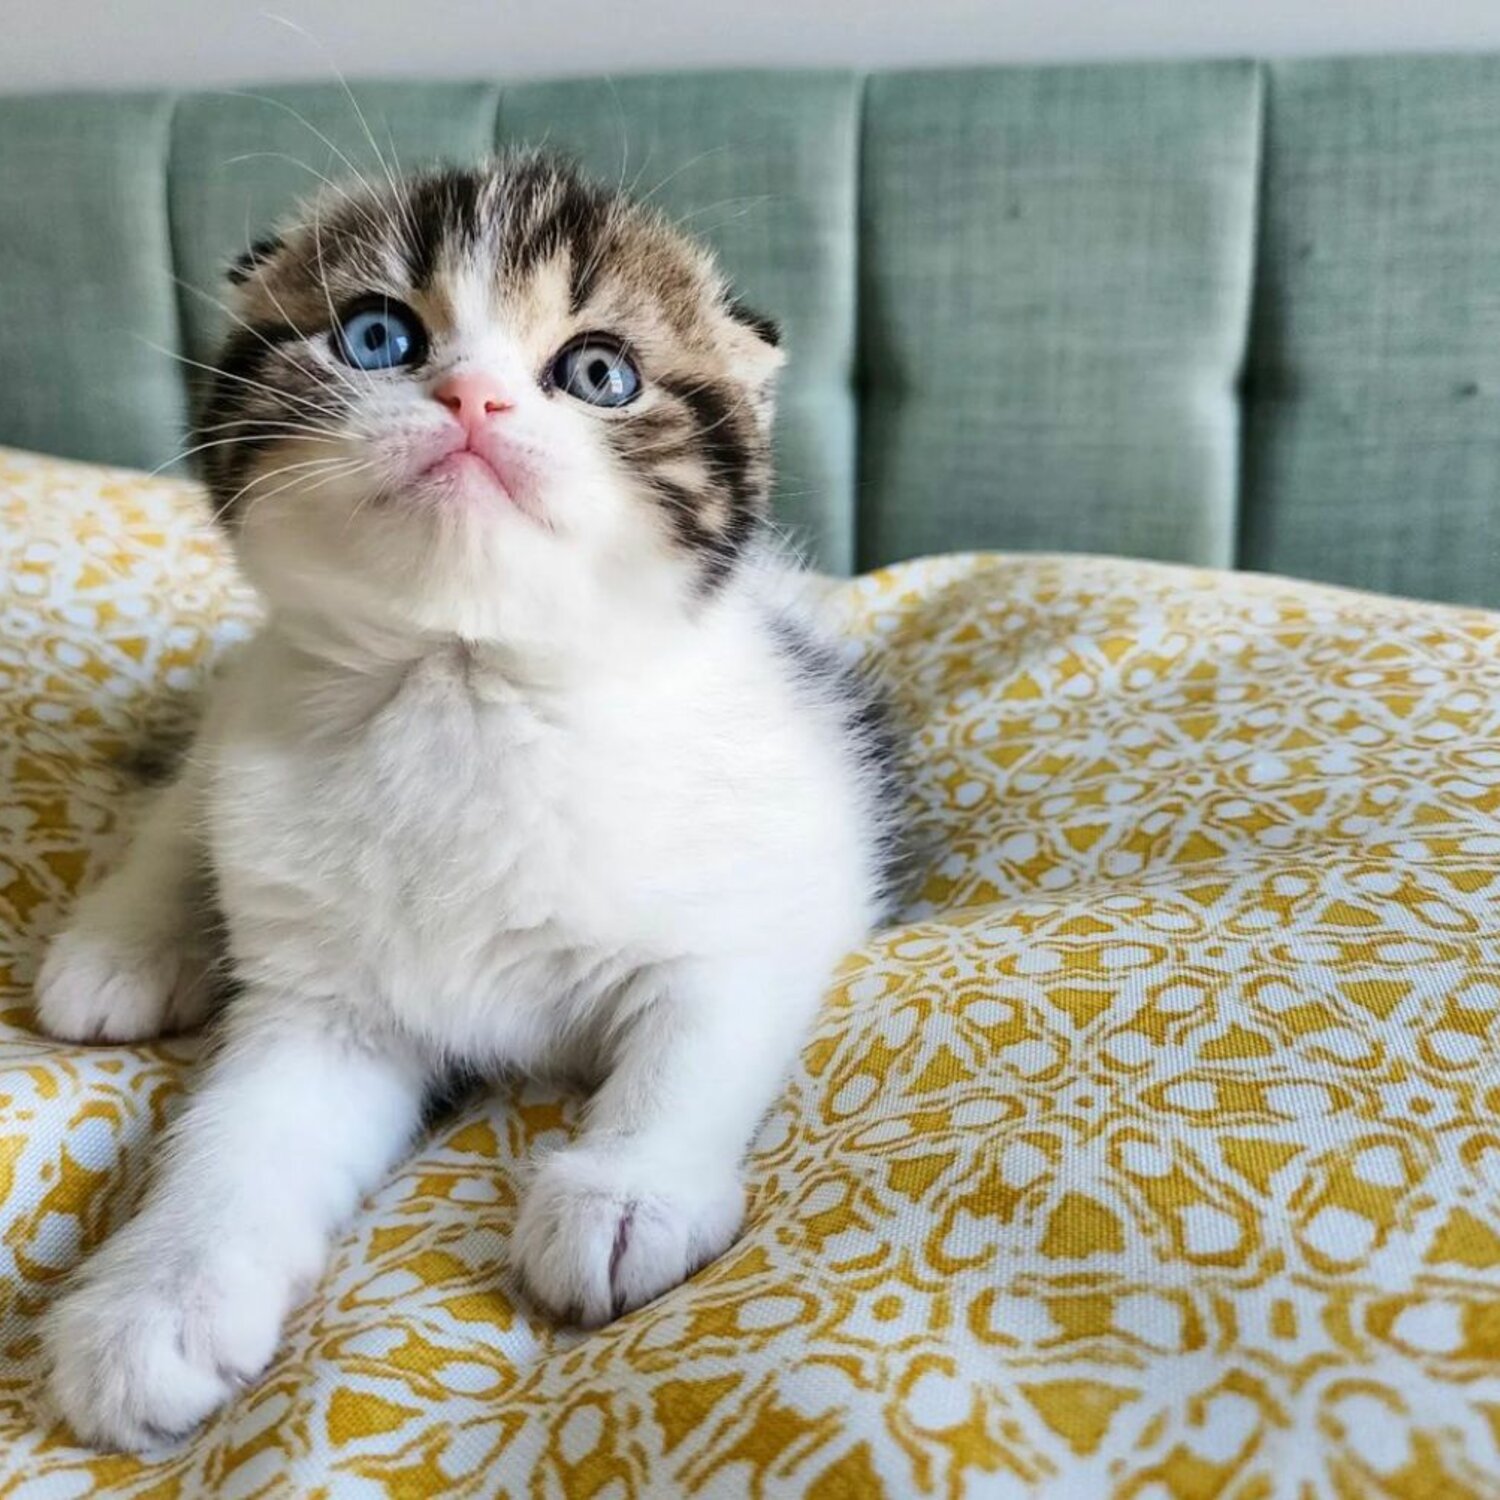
755	345
244	266
764	328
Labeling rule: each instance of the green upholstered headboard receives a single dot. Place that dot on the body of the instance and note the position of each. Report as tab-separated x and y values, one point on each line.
1226	313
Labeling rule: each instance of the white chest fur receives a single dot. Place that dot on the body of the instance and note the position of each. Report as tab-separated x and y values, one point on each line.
489	868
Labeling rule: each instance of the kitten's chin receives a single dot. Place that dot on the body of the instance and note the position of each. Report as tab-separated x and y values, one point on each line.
453	551
455	558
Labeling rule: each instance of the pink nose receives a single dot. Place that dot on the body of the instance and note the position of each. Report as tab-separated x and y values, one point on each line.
473	398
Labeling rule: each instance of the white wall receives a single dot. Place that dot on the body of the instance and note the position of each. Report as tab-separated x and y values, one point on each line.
85	43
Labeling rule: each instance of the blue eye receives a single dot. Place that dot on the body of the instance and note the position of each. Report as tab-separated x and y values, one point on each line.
380	335
596	368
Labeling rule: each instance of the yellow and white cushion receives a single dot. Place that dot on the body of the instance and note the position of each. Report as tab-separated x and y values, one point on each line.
1157	1154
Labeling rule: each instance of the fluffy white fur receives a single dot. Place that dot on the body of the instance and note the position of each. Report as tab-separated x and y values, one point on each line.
481	792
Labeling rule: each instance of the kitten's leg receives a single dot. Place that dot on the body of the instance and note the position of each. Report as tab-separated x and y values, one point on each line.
651	1190
295	1120
134	958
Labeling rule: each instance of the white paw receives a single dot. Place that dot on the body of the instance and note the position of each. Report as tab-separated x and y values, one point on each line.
98	985
143	1349
601	1234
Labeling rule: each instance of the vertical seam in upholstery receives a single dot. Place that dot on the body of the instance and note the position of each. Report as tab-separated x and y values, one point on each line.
1245	382
857	383
174	272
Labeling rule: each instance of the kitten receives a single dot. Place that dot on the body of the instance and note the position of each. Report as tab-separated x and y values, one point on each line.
534	765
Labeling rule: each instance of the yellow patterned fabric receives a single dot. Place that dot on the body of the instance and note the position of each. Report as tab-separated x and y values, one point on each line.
1157	1154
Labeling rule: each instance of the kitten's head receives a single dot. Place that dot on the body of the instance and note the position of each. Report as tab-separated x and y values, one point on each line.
494	402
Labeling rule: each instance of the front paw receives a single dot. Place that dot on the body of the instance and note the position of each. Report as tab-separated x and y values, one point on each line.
602	1233
145	1347
98	985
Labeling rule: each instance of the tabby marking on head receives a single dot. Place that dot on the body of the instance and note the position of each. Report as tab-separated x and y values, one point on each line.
624	366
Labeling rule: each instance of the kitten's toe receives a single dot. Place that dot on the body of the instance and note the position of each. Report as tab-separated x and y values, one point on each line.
140	1355
601	1234
96	985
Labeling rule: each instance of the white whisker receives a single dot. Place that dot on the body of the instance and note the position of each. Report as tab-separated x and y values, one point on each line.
281	395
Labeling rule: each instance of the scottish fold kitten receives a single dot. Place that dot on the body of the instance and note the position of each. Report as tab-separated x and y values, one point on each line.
535	765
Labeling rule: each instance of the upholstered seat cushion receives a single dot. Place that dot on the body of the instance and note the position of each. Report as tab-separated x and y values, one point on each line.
1156	1153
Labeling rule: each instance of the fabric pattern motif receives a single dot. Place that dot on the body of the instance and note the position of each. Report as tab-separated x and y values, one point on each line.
1157	1153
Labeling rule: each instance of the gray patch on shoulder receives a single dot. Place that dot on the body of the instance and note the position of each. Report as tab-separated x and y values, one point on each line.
155	753
876	741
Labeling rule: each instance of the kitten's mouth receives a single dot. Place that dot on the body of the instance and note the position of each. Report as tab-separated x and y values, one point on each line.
466	467
466	474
